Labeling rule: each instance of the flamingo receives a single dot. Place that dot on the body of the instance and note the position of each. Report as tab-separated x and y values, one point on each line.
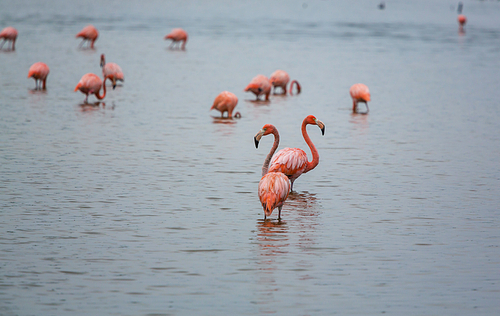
112	71
177	36
88	33
280	78
259	85
461	21
91	84
9	34
226	102
274	187
39	71
293	161
359	93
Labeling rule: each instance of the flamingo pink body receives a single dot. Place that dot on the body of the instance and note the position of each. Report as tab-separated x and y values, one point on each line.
274	187
461	23
259	85
359	93
280	78
88	33
9	34
293	161
177	35
91	84
226	102
111	71
39	71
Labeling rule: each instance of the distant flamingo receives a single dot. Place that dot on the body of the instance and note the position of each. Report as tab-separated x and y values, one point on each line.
274	187
359	93
39	71
111	71
226	102
9	34
259	85
293	161
88	33
177	36
91	84
280	78
461	21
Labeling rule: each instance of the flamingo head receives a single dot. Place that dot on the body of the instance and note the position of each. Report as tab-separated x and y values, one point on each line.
103	61
253	87
266	130
311	119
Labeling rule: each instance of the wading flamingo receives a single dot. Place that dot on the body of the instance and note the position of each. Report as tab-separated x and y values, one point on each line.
111	71
9	34
461	22
274	187
91	84
359	93
88	33
226	102
177	36
280	78
39	71
259	85
293	161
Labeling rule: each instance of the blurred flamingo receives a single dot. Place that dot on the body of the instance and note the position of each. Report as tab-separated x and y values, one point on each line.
461	22
359	93
88	33
226	102
274	187
259	85
91	84
111	71
280	78
39	71
9	34
293	161
177	36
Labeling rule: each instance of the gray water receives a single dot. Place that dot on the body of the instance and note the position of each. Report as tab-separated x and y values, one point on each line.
146	203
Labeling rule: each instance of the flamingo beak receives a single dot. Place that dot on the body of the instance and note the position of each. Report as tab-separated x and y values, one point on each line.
258	136
321	126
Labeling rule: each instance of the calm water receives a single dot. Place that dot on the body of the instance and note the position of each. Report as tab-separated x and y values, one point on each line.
147	204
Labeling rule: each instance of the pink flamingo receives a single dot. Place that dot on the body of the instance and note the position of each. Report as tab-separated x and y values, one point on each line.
461	21
39	71
280	78
274	187
177	36
226	102
293	161
259	85
9	34
359	93
91	84
111	71
88	33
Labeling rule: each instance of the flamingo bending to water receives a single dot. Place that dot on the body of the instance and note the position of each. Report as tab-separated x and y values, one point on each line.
91	84
39	71
88	33
293	161
259	85
9	34
274	187
226	102
359	93
177	36
111	71
461	21
280	78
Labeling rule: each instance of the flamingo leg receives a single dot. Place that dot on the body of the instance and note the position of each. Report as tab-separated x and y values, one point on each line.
1	46
367	109
279	213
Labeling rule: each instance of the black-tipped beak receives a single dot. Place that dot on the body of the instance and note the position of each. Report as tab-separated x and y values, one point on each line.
323	131
256	142
114	86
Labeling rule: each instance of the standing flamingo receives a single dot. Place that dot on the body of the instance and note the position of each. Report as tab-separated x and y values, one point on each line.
9	34
111	71
177	36
88	33
280	78
91	84
259	85
359	93
274	187
226	102
39	71
293	161
461	22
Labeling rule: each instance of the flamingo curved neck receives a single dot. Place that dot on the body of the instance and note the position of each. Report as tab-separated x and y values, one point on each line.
315	161
265	166
104	89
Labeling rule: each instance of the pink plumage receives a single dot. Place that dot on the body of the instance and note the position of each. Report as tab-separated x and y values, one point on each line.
88	33
111	71
260	85
39	71
9	34
359	93
177	36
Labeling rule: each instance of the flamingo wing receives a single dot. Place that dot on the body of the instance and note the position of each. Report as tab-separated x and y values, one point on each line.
274	188
290	161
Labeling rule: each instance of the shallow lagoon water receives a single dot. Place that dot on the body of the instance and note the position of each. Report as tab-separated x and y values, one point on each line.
147	203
